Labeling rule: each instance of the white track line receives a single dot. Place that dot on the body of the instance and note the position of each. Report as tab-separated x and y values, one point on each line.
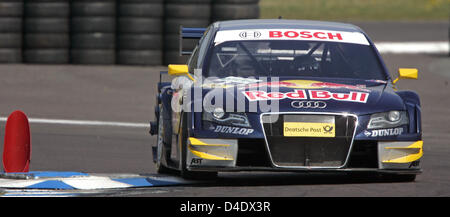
82	122
430	47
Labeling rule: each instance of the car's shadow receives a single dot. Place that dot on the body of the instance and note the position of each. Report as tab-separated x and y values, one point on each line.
291	178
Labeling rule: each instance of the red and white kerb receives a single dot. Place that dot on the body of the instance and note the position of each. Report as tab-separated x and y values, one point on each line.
290	34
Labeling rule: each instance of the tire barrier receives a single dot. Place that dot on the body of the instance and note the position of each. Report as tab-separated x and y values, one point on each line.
46	31
11	12
187	13
93	32
128	32
139	32
234	9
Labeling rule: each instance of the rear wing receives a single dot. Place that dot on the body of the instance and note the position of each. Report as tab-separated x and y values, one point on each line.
189	33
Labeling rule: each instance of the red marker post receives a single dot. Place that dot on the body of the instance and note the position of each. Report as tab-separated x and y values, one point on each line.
17	146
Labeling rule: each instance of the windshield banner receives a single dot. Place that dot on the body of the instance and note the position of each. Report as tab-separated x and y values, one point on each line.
290	34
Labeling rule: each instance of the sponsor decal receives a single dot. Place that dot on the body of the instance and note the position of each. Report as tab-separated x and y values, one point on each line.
229	82
378	81
351	97
328	128
360	97
196	161
262	95
250	34
247	83
384	132
306	129
306	34
291	34
309	104
334	85
233	130
273	84
307	84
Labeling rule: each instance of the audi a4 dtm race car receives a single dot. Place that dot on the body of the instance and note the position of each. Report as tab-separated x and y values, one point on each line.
285	95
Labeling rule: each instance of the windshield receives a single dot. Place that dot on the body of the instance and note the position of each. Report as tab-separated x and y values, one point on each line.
294	58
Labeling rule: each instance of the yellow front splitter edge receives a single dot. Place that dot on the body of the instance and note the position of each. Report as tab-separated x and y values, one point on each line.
416	150
197	142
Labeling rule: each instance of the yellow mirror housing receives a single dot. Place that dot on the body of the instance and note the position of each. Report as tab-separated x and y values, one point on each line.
177	70
406	73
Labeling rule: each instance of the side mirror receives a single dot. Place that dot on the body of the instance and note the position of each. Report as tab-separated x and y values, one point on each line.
177	70
406	73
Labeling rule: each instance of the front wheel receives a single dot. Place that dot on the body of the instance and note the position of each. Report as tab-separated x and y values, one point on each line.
160	168
183	139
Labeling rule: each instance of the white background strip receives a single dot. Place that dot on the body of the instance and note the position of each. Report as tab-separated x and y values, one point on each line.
413	47
82	122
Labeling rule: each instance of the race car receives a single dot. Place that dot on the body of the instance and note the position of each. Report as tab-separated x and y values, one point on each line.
285	95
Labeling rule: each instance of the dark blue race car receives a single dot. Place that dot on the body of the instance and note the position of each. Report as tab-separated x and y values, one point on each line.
285	95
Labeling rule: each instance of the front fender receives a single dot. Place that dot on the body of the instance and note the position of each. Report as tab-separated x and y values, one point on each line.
412	103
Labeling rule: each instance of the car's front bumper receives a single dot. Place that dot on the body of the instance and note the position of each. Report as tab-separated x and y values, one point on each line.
205	154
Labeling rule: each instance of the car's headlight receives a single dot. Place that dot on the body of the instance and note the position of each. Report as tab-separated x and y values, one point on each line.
388	120
219	116
218	113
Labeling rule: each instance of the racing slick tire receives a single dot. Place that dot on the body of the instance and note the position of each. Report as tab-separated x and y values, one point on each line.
8	55
93	24
184	173
11	8
46	25
186	13
183	10
139	32
46	30
55	8
93	31
139	25
46	40
139	57
173	57
10	24
140	9
93	8
140	42
11	16
160	168
234	11
46	56
172	25
173	43
10	40
93	56
94	40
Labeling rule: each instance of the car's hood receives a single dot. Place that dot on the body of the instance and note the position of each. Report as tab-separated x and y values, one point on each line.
294	95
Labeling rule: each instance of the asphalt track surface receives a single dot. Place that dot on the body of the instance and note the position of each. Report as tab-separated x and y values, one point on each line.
127	94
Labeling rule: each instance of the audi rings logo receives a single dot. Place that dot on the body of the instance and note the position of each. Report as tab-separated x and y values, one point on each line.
250	34
309	104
